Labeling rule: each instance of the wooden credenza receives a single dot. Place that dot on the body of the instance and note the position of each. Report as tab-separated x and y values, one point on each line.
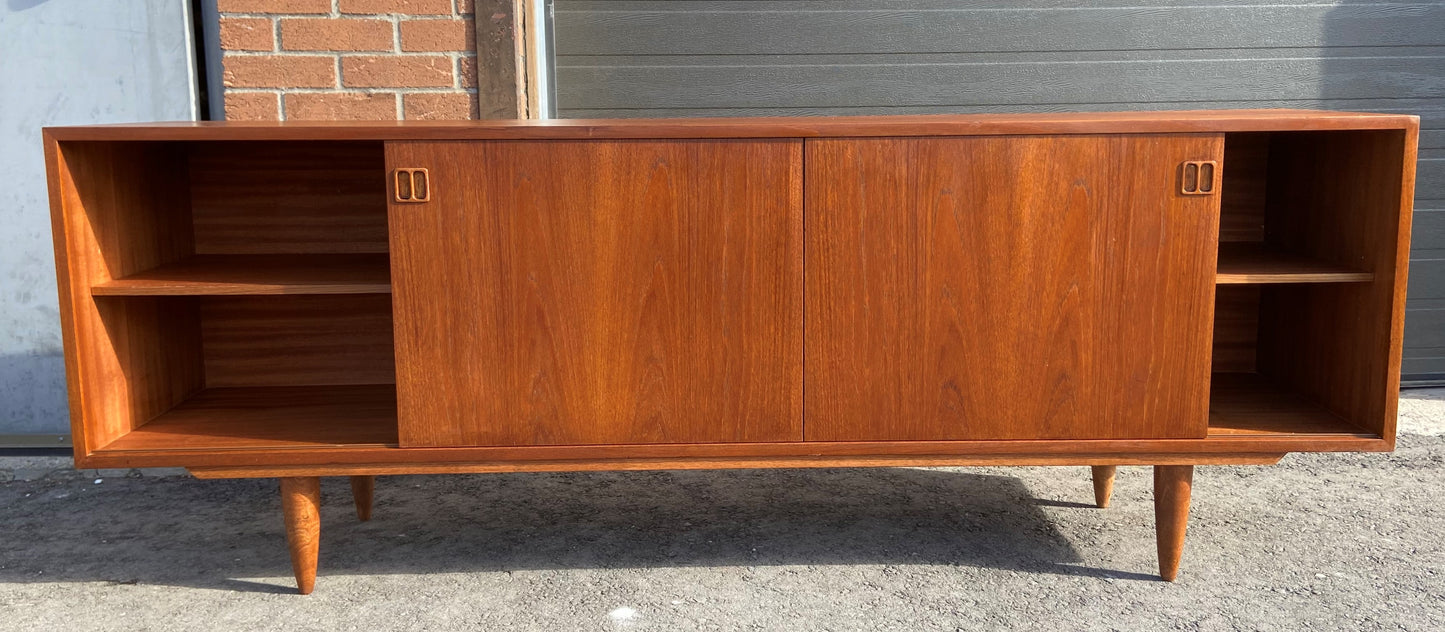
302	300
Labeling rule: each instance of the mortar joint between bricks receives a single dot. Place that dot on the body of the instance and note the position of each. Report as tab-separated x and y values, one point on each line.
274	16
354	53
367	90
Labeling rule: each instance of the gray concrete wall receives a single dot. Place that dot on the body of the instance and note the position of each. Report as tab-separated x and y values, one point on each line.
66	62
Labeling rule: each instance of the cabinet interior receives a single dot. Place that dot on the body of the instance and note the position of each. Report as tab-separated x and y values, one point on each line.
1307	262
238	293
244	291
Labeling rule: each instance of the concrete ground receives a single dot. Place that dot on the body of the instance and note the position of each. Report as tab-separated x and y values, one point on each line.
1326	541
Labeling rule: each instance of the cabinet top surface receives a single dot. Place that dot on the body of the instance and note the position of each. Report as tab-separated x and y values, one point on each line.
796	127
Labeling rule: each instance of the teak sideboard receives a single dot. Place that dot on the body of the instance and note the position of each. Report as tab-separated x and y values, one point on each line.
297	300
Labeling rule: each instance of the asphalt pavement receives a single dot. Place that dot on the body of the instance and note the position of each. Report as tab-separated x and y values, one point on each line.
1320	541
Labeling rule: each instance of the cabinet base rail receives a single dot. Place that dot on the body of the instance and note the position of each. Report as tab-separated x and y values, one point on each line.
725	463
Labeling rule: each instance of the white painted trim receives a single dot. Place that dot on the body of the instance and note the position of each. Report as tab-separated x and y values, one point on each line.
538	48
192	73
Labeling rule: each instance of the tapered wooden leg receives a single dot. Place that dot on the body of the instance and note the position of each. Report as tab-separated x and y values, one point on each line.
1103	484
362	488
301	504
1171	514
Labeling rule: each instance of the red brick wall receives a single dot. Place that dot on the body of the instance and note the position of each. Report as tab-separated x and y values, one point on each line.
348	59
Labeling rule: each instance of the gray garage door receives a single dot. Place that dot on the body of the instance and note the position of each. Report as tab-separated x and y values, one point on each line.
631	58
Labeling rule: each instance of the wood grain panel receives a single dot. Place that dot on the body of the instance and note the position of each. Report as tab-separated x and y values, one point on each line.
1008	288
297	340
1236	328
599	292
1342	197
267	198
115	211
1242	194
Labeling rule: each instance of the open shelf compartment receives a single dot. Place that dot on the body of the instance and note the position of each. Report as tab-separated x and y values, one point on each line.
1306	284
247	218
236	294
1277	218
1255	263
263	372
1247	404
270	417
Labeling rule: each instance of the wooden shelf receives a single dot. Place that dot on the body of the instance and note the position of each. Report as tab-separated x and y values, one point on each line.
271	417
1245	263
211	275
1248	405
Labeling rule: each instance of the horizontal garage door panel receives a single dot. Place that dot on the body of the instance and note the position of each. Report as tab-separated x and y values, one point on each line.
785	83
1425	328
1430	182
1427	238
1427	282
803	28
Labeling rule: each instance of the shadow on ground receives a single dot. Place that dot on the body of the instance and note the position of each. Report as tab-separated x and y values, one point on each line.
193	533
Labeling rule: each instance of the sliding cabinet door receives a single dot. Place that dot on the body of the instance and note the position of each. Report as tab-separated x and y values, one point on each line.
597	292
1024	287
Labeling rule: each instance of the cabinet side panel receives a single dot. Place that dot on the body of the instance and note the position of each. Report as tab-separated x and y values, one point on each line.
122	208
1344	197
586	292
1028	287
